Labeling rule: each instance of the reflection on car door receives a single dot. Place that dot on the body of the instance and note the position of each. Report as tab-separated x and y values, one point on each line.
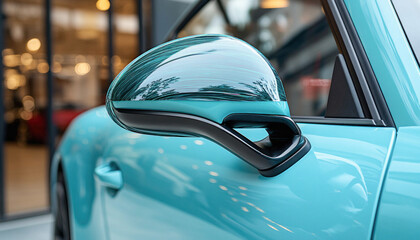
192	188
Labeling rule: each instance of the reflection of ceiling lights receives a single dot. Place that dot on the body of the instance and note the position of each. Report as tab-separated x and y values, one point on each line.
104	60
116	60
59	58
28	103
87	34
11	60
14	81
79	58
7	51
57	67
274	3
25	115
82	68
43	67
26	59
103	5
33	44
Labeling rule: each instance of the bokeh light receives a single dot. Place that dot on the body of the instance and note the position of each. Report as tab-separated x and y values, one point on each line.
43	67
82	68
103	5
274	3
57	67
33	44
26	59
28	103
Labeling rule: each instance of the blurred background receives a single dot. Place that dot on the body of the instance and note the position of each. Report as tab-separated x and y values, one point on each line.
59	57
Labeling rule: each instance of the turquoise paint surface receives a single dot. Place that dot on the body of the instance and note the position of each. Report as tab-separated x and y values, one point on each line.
391	57
80	149
213	110
399	209
191	188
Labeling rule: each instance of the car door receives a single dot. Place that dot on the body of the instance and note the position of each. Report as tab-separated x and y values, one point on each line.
191	188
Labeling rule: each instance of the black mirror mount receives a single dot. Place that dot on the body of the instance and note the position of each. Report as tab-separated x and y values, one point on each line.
271	156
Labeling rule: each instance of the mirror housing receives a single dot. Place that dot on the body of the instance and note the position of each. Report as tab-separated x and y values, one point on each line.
207	85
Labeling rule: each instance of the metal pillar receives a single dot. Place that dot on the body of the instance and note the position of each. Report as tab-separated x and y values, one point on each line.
50	83
110	43
2	123
140	36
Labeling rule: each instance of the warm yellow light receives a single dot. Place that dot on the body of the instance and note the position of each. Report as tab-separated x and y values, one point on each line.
25	115
103	5
116	60
33	65
11	60
22	80
33	44
43	67
57	67
105	60
79	58
58	58
87	34
13	81
274	3
82	68
7	51
28	103
26	59
10	72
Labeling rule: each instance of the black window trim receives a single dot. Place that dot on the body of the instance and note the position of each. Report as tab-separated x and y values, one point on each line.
370	94
359	66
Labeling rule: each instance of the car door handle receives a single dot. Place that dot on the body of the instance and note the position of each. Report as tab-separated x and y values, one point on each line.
109	175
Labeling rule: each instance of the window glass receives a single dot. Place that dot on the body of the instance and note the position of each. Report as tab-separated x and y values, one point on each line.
126	28
25	102
79	67
294	35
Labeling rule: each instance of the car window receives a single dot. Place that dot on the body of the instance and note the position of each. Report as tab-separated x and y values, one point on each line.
293	34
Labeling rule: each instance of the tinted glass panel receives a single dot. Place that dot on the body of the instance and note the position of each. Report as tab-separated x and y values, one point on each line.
25	102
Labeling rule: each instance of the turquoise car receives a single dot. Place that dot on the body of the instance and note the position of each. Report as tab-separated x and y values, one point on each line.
199	141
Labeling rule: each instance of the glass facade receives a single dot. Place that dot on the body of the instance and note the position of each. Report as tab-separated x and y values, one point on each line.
85	58
25	152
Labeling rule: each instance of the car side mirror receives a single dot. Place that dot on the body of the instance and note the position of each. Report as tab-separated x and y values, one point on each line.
208	85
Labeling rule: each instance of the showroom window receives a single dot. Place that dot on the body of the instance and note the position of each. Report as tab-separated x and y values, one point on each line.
90	42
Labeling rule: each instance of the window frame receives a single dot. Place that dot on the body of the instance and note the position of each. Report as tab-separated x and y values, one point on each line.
349	45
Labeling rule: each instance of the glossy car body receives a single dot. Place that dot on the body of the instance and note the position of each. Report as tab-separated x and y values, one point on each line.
359	180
